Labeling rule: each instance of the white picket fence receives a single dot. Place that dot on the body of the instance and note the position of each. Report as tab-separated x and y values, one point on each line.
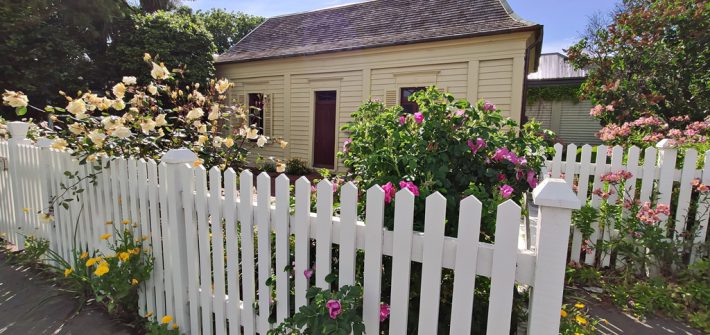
205	238
656	173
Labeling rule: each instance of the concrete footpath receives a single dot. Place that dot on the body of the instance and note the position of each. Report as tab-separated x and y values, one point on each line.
30	304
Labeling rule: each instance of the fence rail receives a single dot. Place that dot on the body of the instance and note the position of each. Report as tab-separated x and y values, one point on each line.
654	177
213	236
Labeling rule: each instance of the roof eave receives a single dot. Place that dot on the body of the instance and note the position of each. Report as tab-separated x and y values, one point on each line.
533	28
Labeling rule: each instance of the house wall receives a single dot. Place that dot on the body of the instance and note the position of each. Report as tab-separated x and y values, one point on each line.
569	120
491	67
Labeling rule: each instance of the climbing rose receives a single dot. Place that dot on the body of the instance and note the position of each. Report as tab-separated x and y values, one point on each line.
402	120
488	106
506	191
389	192
418	117
384	311
410	186
334	308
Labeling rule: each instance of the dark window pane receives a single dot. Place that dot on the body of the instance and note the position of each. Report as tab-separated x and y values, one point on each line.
409	107
256	110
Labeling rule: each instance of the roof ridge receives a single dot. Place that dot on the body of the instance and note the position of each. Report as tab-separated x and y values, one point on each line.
513	15
323	9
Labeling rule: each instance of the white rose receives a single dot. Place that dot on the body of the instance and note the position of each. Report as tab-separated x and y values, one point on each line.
222	86
129	80
159	71
110	122
122	132
119	90
252	133
261	141
195	113
160	120
198	97
280	167
147	126
59	144
214	113
217	142
76	106
76	128
14	99
152	89
97	137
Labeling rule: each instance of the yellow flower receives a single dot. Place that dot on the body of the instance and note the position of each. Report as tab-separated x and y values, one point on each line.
102	269
149	314
59	144
45	217
26	210
126	222
119	90
222	85
175	326
146	57
228	142
84	255
579	305
108	222
197	163
582	321
118	104
563	313
67	272
92	261
134	282
134	251
77	106
124	256
105	236
166	319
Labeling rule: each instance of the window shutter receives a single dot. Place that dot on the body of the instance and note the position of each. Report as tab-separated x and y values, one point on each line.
268	114
390	98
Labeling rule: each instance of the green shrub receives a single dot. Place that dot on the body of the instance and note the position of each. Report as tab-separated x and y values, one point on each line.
297	167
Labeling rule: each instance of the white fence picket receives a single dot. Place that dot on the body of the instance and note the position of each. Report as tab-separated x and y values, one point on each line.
374	217
283	253
217	250
263	223
401	260
465	271
230	219
687	176
703	211
246	223
302	252
324	245
190	195
203	233
348	234
435	216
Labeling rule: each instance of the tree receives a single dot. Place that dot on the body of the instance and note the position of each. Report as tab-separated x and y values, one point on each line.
47	45
228	28
651	59
172	37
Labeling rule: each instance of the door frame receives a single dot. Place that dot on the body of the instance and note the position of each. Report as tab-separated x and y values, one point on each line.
312	123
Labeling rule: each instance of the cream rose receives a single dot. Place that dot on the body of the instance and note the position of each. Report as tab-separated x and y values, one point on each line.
152	89
147	126
214	113
59	144
14	99
76	106
228	142
122	132
159	71
160	120
97	137
222	86
261	141
195	113
130	80
119	90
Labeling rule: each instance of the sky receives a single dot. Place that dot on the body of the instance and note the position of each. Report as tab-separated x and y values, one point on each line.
563	20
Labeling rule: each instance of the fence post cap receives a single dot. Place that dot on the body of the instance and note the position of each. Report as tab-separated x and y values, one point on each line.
44	142
665	144
555	192
179	156
18	129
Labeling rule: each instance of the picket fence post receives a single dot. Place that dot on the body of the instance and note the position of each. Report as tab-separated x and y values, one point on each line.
556	202
18	136
45	189
175	252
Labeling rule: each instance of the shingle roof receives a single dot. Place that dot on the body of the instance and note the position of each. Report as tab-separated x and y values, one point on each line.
375	24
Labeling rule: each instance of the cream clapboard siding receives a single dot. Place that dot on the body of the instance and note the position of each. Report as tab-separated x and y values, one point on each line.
481	67
495	83
540	111
576	126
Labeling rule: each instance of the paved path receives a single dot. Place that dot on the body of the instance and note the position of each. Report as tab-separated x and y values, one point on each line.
31	305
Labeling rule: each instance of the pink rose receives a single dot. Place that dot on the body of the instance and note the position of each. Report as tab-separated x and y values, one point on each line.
346	144
389	192
308	273
506	191
459	112
402	120
531	179
480	143
384	311
418	117
488	106
334	308
410	186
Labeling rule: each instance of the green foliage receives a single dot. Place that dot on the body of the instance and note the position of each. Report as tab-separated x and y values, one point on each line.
175	38
575	320
297	167
583	219
452	147
326	313
35	250
578	274
227	28
153	327
553	93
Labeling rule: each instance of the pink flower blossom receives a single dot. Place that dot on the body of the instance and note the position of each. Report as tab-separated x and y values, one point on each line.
384	311
459	112
346	144
410	186
402	120
334	308
389	192
308	273
488	106
418	117
480	143
616	177
531	179
506	191
609	108
505	154
501	177
596	110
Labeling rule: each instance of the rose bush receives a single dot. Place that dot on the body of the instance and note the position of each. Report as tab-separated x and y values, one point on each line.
452	147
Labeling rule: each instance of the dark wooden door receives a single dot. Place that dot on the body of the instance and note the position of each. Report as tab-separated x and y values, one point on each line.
324	132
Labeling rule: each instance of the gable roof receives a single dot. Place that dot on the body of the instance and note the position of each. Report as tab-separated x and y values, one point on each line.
375	23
